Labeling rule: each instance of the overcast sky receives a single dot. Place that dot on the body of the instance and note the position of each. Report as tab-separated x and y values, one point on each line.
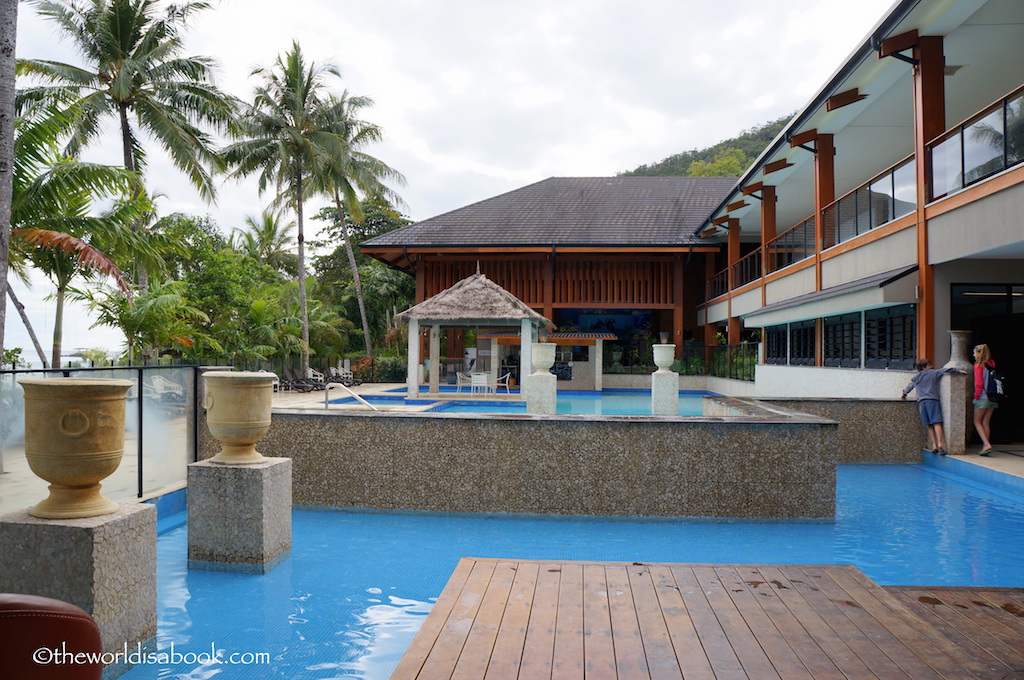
480	97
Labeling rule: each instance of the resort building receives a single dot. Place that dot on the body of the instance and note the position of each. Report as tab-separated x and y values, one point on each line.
885	214
888	211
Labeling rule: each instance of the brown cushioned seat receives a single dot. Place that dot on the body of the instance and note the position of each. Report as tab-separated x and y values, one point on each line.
29	623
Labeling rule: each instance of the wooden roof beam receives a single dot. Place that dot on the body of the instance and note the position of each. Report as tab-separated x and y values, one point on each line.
775	166
837	101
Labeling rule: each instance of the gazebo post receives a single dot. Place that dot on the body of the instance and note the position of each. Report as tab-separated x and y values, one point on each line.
412	381
597	356
435	358
528	336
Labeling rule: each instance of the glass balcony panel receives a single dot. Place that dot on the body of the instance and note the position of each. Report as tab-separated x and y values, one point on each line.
880	194
1015	131
947	174
829	222
904	184
983	146
847	218
863	210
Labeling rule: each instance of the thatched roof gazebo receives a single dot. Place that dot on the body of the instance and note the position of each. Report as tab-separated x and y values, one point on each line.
472	302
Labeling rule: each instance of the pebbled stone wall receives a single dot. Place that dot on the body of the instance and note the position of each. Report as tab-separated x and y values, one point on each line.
770	464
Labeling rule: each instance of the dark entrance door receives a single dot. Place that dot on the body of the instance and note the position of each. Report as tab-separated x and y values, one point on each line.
995	316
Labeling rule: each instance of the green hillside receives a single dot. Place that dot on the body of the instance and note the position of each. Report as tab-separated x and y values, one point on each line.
725	159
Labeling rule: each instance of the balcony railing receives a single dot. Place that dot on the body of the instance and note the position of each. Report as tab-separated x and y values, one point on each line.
890	195
717	285
791	246
748	268
984	145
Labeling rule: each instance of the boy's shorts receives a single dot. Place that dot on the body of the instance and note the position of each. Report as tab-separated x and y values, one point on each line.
931	411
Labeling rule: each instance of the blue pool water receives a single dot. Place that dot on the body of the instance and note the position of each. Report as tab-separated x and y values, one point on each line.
357	586
619	402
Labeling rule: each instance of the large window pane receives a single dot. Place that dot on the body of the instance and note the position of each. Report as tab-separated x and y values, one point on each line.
904	183
946	171
1015	130
983	146
801	343
841	340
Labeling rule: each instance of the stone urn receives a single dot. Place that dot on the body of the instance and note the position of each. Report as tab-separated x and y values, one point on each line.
74	439
960	351
238	413
543	356
664	355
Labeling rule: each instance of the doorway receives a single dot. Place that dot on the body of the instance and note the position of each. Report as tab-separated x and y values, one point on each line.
994	313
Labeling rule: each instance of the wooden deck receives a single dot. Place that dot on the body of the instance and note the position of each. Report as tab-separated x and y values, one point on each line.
498	620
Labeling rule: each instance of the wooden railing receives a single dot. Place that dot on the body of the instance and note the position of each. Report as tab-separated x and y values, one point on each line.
747	268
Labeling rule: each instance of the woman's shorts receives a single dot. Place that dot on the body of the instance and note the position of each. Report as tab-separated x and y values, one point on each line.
985	403
931	411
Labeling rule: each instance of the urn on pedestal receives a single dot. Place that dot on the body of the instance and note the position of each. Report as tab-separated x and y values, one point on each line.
74	438
238	413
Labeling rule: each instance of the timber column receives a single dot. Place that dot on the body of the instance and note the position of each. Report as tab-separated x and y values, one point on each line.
929	123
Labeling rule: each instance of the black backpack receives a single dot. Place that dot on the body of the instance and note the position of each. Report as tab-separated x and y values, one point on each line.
995	385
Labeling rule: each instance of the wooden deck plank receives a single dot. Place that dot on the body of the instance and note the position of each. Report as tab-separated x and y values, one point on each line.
661	656
412	661
748	649
523	619
693	662
508	646
986	630
598	644
793	653
567	658
975	659
865	617
539	647
476	654
862	649
448	646
915	652
630	659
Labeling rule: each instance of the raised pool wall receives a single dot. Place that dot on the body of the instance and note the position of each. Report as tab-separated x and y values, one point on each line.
768	465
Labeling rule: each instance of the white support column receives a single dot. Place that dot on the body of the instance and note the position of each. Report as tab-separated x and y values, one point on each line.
412	381
435	358
527	336
597	356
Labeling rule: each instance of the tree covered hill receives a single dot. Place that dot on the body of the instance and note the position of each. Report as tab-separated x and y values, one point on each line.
725	159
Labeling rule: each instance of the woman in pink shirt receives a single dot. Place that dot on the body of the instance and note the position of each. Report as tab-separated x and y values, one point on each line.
983	405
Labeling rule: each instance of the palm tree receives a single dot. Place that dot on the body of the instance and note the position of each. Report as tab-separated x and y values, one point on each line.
133	50
355	173
50	213
284	136
160	317
8	35
268	239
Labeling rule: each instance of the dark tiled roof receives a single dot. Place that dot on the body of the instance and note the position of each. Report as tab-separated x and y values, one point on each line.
584	211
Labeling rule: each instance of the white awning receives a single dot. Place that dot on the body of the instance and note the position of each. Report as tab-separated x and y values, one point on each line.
895	287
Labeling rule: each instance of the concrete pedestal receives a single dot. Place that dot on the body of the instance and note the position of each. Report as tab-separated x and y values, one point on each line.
106	565
664	393
956	392
541	393
239	516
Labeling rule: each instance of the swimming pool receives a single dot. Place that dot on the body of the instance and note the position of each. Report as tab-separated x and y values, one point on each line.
358	585
619	402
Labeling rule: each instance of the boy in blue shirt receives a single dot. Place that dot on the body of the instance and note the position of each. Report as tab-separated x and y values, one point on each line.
926	383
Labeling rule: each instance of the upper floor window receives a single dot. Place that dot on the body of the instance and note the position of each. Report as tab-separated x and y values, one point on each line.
981	147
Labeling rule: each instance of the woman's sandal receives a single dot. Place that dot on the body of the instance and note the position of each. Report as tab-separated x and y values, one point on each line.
985	452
